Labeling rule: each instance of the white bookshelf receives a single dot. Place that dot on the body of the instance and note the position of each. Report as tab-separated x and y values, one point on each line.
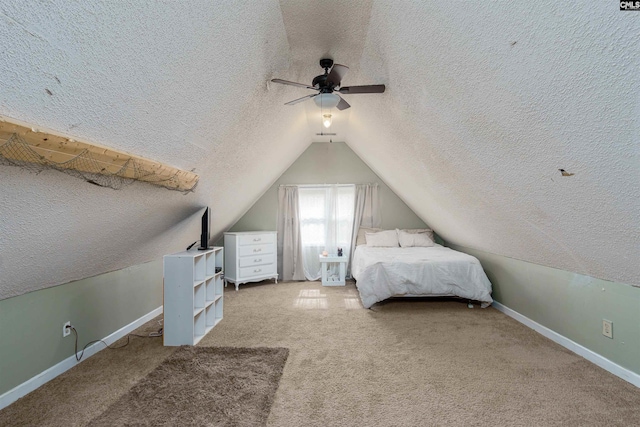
193	295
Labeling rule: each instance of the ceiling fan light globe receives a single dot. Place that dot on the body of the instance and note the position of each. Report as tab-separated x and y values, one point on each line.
326	100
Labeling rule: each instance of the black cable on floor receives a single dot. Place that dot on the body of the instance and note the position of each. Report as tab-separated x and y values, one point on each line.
151	335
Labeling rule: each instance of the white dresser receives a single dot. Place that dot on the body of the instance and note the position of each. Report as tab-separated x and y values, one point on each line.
250	256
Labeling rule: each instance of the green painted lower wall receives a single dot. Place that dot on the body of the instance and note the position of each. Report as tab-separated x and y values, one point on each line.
31	324
570	304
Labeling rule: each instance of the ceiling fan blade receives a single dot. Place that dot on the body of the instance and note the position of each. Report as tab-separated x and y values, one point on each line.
295	101
342	105
287	82
362	89
336	74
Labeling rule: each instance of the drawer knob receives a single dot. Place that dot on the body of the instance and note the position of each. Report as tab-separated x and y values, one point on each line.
257	260
257	239
257	250
257	270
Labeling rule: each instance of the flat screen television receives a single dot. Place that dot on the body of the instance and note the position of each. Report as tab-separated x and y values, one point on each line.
204	236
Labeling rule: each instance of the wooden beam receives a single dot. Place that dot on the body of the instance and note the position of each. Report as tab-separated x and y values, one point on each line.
53	148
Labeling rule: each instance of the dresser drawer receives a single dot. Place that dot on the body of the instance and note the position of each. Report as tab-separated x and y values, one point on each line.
251	250
258	270
248	261
256	239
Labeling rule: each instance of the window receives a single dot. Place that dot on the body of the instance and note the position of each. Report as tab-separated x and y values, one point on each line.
326	223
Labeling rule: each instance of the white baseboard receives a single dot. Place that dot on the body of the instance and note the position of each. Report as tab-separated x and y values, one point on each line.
43	377
590	355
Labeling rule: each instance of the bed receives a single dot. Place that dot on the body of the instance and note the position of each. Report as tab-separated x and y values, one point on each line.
384	272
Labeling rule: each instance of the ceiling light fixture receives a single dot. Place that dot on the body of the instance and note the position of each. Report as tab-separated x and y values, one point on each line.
326	100
326	120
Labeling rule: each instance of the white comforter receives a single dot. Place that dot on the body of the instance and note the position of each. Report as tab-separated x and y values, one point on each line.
433	271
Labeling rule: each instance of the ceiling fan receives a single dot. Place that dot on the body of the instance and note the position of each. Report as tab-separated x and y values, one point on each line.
328	83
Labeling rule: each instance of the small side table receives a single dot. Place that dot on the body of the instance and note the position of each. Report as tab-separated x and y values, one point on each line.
325	262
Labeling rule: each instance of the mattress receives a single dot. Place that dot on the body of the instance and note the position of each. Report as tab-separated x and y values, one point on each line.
381	273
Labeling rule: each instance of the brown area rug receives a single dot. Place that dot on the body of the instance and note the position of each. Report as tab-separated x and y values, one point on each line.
204	386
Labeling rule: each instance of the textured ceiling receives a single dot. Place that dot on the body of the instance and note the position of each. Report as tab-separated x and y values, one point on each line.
483	105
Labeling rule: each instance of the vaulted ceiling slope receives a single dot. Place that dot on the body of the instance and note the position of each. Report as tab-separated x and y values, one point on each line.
484	104
177	82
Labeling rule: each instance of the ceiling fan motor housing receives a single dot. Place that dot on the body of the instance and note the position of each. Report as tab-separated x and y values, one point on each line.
321	81
326	63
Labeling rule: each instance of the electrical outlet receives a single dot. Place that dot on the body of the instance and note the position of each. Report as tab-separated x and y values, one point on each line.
66	331
607	328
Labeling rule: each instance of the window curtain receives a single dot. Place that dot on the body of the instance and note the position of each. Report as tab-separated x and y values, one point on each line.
366	214
289	244
326	223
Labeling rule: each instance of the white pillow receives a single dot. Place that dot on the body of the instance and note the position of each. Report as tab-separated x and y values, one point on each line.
408	240
386	239
420	230
360	240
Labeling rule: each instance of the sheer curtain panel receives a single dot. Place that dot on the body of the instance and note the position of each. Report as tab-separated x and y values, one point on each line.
366	214
289	244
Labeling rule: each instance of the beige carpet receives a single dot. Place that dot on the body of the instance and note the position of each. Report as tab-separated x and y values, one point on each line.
203	386
405	363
